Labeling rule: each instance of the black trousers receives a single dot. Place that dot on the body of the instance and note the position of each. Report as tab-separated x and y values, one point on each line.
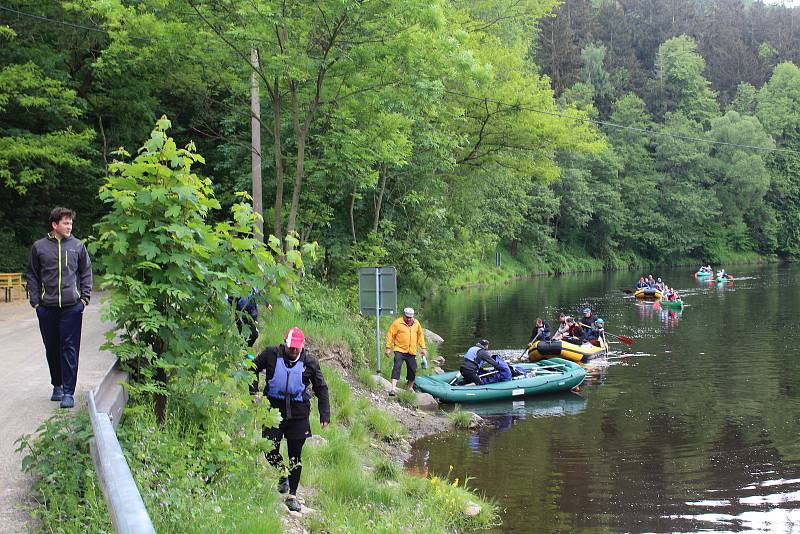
295	431
61	333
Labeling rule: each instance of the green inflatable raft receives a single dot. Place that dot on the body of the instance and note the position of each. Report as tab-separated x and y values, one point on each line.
545	376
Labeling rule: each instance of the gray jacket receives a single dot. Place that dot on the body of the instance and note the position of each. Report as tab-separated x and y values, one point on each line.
59	272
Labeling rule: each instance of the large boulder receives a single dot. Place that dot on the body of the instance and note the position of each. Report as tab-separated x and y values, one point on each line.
426	402
382	383
432	337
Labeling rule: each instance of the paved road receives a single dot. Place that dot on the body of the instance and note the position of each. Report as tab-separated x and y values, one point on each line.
25	395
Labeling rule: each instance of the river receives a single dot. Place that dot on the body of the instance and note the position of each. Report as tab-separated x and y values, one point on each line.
697	429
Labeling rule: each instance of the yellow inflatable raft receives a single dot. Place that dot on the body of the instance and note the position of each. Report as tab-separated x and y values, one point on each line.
648	293
540	350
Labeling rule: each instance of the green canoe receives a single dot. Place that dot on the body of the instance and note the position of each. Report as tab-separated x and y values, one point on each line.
672	303
545	376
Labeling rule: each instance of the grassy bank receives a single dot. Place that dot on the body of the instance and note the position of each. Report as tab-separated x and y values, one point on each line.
529	263
211	478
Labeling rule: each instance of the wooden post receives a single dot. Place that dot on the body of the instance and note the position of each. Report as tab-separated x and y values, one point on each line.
255	131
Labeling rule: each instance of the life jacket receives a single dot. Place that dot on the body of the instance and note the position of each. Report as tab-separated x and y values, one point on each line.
472	353
287	381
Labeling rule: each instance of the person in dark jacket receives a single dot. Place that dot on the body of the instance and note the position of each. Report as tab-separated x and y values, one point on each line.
289	370
576	334
541	331
641	284
588	318
247	308
59	277
475	356
504	371
596	335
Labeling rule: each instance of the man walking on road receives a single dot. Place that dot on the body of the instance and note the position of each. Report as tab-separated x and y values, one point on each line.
405	334
59	287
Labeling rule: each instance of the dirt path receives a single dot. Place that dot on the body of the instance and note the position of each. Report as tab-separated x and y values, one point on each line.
25	399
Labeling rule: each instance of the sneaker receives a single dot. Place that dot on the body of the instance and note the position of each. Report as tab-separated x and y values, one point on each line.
283	485
58	393
392	393
293	505
67	401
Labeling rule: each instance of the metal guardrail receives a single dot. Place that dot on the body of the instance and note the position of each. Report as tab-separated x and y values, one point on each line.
125	505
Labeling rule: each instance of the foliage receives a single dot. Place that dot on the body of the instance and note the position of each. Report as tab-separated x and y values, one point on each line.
68	492
170	272
460	418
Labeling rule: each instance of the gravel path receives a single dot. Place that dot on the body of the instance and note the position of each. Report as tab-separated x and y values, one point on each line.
25	396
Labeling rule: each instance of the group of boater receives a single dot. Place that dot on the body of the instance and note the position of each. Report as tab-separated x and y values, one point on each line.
589	329
655	288
706	271
577	340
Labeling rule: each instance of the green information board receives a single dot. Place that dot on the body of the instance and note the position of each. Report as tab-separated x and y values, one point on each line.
384	297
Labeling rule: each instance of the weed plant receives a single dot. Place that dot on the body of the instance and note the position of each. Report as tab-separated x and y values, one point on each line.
460	418
67	491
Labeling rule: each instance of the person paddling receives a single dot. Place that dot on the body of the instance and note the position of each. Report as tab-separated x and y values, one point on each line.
588	318
596	335
563	328
541	331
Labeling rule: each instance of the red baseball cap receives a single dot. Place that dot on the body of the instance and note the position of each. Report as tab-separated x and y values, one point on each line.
294	338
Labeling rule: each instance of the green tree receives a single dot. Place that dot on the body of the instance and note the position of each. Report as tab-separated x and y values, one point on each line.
680	84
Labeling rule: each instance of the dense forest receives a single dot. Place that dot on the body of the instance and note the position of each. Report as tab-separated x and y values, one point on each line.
424	134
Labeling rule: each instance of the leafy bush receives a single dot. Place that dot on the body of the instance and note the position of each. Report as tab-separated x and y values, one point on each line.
66	484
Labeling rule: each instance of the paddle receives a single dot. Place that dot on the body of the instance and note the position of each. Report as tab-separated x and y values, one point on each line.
524	352
627	291
624	339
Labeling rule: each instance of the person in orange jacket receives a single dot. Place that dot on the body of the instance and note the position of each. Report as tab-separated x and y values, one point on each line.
405	335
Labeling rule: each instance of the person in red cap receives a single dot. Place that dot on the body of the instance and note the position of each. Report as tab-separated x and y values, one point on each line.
289	371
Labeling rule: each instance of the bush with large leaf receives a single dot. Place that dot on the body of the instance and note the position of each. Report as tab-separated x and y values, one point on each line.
170	271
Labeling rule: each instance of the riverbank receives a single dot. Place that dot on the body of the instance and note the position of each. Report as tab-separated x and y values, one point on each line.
212	476
486	272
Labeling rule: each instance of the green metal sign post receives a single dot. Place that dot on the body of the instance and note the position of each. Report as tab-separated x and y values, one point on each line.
377	295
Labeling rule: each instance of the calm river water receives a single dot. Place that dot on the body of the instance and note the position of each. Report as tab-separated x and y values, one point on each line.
699	429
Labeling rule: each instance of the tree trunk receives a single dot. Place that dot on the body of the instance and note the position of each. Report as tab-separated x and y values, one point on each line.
276	139
379	200
255	145
352	222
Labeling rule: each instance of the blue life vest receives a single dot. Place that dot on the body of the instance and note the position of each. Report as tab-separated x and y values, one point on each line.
287	381
472	353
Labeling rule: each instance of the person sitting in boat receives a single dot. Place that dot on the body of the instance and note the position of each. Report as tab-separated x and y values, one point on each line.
563	328
596	335
504	372
721	273
473	359
541	331
588	318
575	334
660	285
641	284
651	282
673	295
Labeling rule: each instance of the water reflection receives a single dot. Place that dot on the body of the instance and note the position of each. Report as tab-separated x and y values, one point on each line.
694	428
